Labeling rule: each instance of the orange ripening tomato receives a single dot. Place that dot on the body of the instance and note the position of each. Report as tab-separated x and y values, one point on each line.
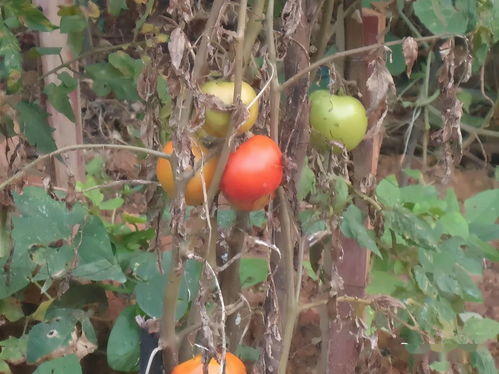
194	189
253	173
233	365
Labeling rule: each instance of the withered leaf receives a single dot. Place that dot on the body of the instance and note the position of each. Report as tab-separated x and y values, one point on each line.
176	47
182	8
410	49
380	85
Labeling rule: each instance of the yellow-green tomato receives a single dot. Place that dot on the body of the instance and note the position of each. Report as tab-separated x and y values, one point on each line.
339	118
217	122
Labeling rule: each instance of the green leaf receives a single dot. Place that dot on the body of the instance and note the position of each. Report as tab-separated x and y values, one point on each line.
10	308
469	290
10	59
58	94
480	330
163	91
258	218
247	354
62	365
14	349
381	282
33	17
4	368
396	62
423	282
107	79
116	6
306	184
123	346
482	360
111	204
441	16
440	366
483	208
44	51
341	196
59	332
73	23
353	227
126	65
35	127
252	271
388	192
410	227
446	283
454	224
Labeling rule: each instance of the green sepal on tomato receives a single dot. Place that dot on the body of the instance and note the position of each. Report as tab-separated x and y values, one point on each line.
336	118
253	173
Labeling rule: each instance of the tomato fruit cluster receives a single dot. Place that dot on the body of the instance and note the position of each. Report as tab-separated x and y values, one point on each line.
253	172
339	118
233	365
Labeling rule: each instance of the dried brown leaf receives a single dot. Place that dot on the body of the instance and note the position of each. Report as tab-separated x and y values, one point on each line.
176	47
380	85
291	15
70	198
410	49
183	8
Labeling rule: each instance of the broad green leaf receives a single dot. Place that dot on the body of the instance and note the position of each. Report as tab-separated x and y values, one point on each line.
73	23
486	232
4	367
479	330
446	283
116	6
10	59
58	95
80	295
454	224
410	227
353	227
252	271
341	196
441	16
123	345
44	51
148	291
381	282
35	127
10	308
95	254
469	290
14	349
396	62
423	282
59	332
163	91
483	208
126	65
63	365
388	192
33	18
107	79
482	360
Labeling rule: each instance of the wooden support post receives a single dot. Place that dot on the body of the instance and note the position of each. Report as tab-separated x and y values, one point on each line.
353	267
66	132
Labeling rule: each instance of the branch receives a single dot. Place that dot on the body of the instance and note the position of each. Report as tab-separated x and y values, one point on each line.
352	52
40	159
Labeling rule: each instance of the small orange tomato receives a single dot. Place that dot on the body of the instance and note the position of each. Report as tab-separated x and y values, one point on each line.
194	189
233	365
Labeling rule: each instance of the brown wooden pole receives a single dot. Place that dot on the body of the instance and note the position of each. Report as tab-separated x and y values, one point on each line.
344	347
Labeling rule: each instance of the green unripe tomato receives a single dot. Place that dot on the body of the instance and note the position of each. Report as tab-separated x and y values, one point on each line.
339	118
217	122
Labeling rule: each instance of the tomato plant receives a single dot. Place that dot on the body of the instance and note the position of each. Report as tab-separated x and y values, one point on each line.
253	173
217	122
339	118
233	365
194	188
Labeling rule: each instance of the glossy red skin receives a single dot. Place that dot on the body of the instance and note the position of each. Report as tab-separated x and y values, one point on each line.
253	171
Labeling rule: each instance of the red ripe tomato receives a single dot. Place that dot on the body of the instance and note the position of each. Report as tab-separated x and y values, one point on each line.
253	173
233	365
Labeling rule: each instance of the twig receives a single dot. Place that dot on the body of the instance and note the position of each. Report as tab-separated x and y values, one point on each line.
70	148
352	52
